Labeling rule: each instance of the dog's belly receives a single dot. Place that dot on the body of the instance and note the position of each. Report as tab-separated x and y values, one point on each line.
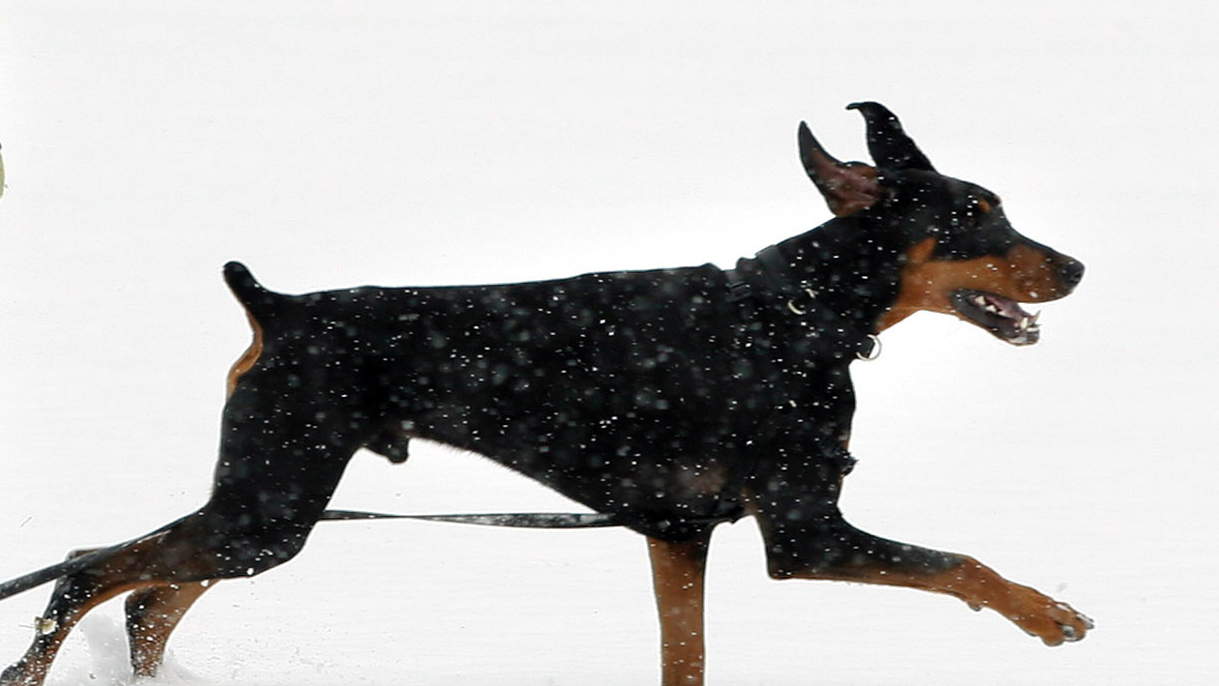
614	448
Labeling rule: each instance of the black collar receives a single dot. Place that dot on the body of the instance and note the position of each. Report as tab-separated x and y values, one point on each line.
797	298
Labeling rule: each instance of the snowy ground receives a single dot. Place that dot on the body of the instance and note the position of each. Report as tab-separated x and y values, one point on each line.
335	143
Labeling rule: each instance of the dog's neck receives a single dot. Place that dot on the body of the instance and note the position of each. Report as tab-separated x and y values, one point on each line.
843	264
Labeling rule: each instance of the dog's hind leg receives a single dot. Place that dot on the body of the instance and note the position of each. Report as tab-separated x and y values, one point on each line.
192	550
281	458
677	576
76	594
152	615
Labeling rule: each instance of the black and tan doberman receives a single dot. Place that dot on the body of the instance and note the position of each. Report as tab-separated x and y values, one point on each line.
674	399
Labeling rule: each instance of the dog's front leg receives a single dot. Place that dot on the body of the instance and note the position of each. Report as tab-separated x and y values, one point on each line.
677	578
825	546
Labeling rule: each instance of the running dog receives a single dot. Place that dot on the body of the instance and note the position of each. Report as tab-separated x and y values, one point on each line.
672	400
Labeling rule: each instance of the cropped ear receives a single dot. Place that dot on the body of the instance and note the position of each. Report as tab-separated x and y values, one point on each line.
888	144
847	188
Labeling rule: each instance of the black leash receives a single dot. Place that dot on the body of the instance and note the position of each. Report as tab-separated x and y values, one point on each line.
520	520
76	564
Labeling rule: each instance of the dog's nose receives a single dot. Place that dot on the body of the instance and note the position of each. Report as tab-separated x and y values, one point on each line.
1071	272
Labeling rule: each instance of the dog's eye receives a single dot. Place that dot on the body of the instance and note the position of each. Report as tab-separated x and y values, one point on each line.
973	213
964	218
981	206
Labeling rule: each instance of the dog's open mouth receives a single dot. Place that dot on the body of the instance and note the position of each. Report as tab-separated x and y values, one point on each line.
1001	316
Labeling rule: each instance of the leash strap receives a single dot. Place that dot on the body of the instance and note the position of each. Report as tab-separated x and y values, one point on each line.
519	520
47	574
532	520
72	566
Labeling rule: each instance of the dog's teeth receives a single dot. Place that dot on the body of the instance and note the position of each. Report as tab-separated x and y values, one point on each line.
1036	315
979	301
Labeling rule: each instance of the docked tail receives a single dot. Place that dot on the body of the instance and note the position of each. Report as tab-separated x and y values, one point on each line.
261	306
259	302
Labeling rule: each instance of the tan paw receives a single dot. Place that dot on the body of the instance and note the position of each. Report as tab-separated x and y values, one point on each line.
1053	622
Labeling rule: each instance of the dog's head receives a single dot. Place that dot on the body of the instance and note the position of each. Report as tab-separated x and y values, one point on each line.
959	254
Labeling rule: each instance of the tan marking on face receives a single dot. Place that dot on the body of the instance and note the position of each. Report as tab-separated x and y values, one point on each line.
1024	274
248	358
984	206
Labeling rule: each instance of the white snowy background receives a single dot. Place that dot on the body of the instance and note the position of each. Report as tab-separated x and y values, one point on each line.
340	143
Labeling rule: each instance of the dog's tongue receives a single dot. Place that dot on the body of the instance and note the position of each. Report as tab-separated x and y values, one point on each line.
1008	308
1018	326
999	306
